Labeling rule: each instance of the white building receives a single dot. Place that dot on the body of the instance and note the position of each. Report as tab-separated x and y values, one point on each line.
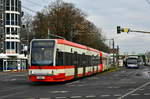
10	57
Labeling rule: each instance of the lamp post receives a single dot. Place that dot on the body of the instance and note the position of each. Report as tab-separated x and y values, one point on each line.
113	49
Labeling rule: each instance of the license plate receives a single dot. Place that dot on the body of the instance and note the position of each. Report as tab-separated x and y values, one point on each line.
40	77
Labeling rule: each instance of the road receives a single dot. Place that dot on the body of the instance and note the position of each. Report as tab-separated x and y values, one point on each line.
120	84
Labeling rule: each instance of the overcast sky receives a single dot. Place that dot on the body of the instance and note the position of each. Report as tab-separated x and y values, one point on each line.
108	14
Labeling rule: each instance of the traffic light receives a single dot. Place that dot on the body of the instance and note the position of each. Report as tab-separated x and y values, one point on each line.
118	29
126	30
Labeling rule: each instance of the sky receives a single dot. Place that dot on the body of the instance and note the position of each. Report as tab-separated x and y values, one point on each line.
107	15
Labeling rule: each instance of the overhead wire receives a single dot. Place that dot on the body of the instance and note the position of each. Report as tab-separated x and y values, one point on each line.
33	11
33	3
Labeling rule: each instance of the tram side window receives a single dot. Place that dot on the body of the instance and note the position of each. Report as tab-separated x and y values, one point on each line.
83	59
75	59
88	60
68	58
59	58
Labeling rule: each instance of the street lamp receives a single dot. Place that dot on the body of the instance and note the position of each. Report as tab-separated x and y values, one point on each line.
113	49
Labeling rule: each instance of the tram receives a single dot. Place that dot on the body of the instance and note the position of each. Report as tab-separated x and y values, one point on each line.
57	60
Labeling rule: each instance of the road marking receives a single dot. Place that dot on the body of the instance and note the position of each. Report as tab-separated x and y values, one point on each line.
29	98
8	89
2	97
73	82
13	79
75	96
81	85
147	94
111	87
44	98
104	95
59	91
90	96
130	92
141	89
135	94
117	95
71	85
60	97
131	89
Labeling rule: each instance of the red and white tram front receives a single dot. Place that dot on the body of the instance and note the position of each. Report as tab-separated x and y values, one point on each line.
42	62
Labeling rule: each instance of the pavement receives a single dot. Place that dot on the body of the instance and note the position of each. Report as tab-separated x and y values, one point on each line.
121	84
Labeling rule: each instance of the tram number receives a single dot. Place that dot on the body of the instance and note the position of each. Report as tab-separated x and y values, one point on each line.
40	77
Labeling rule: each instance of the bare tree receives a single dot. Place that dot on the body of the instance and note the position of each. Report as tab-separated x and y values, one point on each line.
64	19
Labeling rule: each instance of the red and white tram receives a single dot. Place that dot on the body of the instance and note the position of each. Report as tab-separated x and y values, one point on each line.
56	60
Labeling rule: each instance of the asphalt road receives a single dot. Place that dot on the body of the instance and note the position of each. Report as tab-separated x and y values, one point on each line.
120	84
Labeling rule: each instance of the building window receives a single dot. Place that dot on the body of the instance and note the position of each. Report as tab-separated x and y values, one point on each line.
16	5
7	30
7	45
17	47
12	45
12	5
7	4
16	19
7	19
12	19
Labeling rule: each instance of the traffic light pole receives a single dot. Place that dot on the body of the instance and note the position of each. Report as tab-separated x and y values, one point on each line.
119	30
139	31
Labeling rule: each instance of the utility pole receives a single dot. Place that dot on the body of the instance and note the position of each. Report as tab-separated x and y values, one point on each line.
117	57
53	35
113	44
48	33
112	49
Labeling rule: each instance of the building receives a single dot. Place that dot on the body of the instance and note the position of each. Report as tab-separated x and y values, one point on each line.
10	28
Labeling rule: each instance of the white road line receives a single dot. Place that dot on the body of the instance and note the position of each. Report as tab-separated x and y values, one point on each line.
71	85
104	95
13	79
73	82
8	89
135	94
60	97
131	89
147	94
81	85
59	92
44	98
130	92
2	97
111	87
117	95
90	96
75	96
141	89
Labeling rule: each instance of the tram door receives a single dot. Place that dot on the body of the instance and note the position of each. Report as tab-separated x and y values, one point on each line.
76	64
84	64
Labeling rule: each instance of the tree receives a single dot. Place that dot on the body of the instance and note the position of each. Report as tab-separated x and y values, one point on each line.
26	33
64	19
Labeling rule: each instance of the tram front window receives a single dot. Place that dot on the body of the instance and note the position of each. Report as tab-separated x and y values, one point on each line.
42	53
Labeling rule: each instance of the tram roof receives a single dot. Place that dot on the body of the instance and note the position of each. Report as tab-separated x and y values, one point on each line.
65	42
